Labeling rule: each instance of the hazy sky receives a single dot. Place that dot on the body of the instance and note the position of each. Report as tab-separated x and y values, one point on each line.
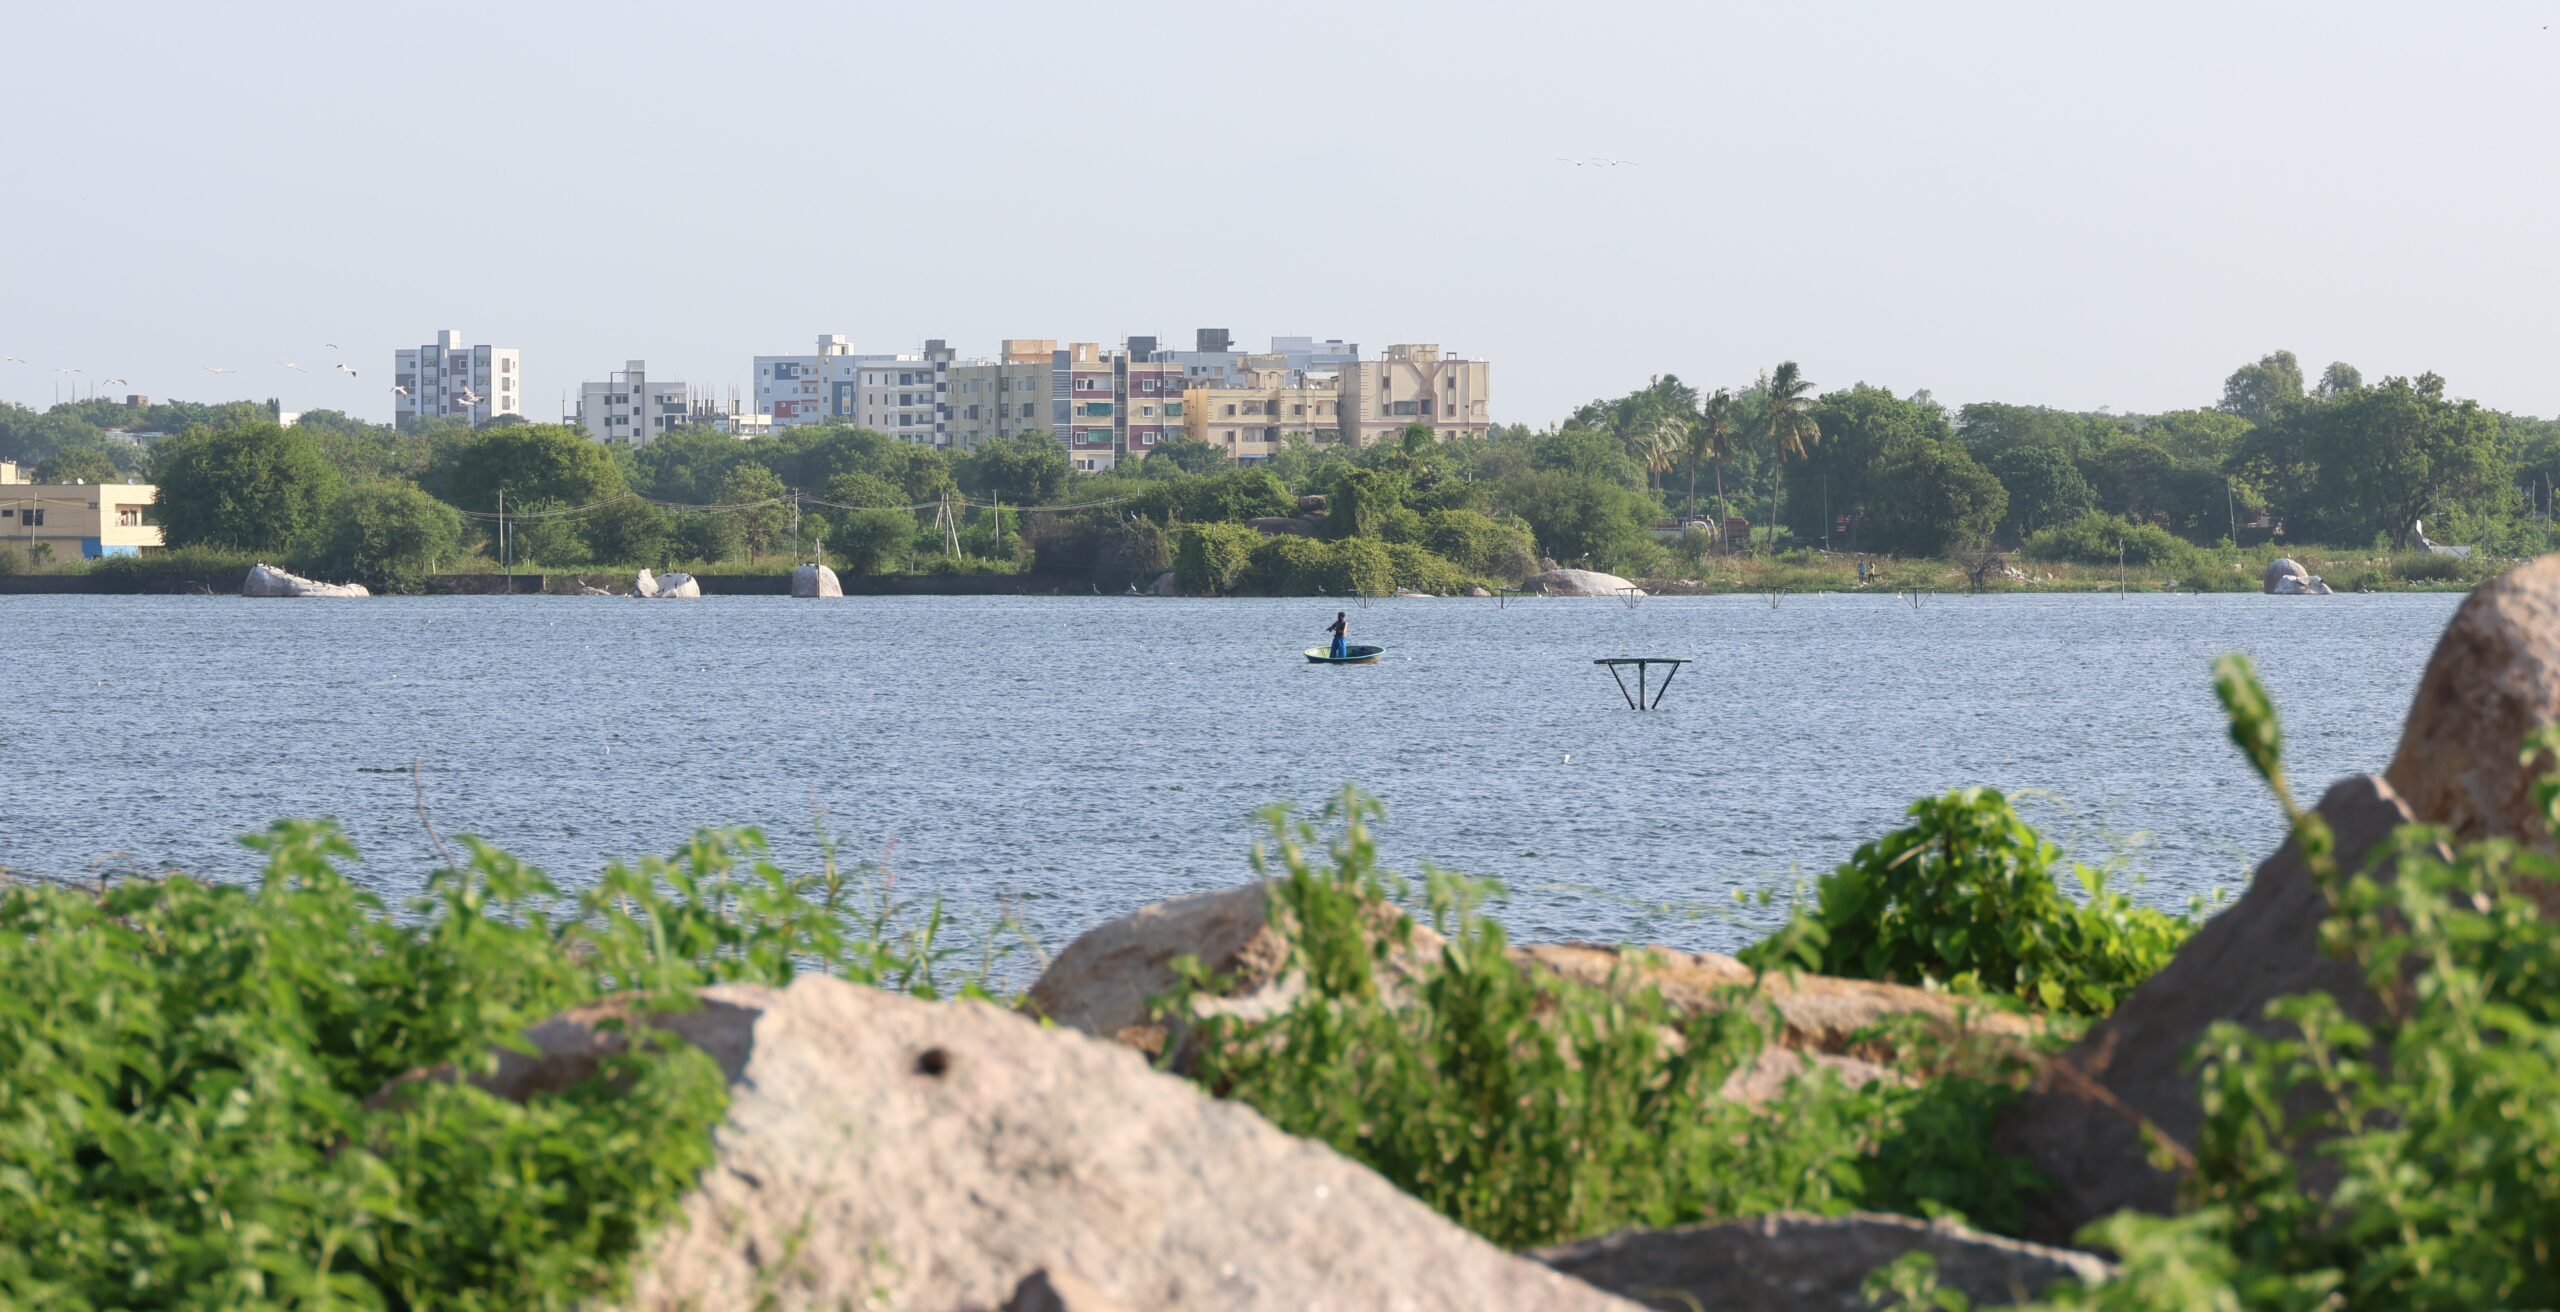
2026	202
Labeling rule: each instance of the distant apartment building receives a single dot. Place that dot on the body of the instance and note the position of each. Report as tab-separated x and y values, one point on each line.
631	409
1270	404
1113	407
906	396
1214	360
1414	383
1001	398
447	378
87	520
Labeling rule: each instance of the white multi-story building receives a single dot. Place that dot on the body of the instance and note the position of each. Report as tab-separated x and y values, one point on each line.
630	409
1414	383
906	396
448	378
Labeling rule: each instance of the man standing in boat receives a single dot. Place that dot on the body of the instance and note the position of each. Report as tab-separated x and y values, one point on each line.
1341	631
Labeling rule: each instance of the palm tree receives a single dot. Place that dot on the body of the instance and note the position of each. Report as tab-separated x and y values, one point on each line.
1787	426
1707	440
1662	443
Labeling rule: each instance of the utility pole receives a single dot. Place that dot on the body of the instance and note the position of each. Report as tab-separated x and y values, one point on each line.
503	566
795	525
2231	508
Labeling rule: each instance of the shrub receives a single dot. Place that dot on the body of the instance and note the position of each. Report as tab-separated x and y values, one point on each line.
2428	1134
214	567
186	1069
1295	566
869	541
1480	544
2091	540
1422	571
1208	559
1965	897
1533	1109
390	536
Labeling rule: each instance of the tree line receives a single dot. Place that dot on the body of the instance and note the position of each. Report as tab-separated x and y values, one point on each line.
1630	485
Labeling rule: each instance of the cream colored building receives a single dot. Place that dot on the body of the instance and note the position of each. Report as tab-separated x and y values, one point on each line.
83	520
1415	384
992	399
1250	422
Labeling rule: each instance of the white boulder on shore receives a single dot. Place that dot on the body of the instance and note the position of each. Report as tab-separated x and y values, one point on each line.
815	581
1577	583
665	585
266	580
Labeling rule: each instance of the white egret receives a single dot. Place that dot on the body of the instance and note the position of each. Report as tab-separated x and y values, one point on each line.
348	371
289	364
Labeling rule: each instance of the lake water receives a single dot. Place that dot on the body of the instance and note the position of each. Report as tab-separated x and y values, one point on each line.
1071	758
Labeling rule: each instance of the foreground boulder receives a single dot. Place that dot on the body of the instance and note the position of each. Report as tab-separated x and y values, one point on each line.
1553	582
2494	678
881	1152
1816	1013
1102	982
665	585
2076	1123
266	580
815	581
1789	1261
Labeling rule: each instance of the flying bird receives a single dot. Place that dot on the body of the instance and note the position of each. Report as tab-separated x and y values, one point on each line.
289	364
397	388
11	359
331	345
347	370
216	369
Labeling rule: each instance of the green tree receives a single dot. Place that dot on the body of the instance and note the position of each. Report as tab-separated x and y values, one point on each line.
1709	440
1788	429
531	463
2391	453
2044	489
82	462
386	534
1579	517
2339	378
257	487
710	536
1184	456
1019	471
628	532
686	466
870	541
1928	498
2263	391
865	492
760	504
1858	426
1361	501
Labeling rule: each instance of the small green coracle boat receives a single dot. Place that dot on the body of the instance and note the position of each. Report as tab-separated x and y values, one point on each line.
1356	655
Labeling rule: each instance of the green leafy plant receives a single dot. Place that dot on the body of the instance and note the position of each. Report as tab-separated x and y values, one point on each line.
1965	897
2403	1163
185	1071
1531	1109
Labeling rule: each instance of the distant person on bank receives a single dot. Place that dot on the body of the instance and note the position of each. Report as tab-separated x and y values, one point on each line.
1341	631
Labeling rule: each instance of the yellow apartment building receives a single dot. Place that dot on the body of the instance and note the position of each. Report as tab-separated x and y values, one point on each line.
1250	422
86	520
1415	384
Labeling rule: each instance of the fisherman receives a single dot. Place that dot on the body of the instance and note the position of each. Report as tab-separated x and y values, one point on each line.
1341	631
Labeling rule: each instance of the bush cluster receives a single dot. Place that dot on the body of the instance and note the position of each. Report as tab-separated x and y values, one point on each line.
1209	559
2091	539
1532	1109
1965	897
186	1070
1348	567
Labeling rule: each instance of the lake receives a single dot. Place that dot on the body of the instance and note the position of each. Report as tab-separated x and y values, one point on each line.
1071	758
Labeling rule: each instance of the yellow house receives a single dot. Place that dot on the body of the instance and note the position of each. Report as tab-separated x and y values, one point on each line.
88	520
